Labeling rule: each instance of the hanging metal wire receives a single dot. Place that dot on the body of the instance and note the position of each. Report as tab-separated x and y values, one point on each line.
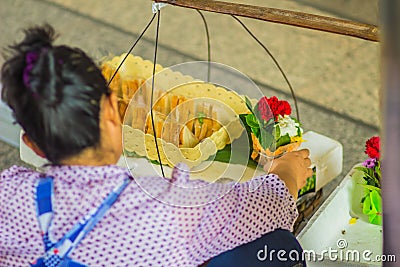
208	45
275	61
152	91
158	15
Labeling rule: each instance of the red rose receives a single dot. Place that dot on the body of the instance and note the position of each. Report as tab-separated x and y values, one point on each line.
372	147
274	105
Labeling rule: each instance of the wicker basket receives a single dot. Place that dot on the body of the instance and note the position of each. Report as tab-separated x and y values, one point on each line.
306	205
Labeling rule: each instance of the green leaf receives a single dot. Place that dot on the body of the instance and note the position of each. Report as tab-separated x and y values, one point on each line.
256	132
155	162
378	170
367	205
376	200
372	206
369	176
225	154
251	124
283	140
362	168
267	139
376	204
248	104
310	184
252	121
242	117
358	175
299	132
277	132
200	117
247	132
371	188
269	128
375	219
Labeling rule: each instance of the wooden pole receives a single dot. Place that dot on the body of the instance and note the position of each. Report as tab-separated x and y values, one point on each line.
293	18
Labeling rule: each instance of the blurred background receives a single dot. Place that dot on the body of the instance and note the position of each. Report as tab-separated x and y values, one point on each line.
336	78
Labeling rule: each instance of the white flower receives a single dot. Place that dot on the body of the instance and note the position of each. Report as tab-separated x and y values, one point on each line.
287	125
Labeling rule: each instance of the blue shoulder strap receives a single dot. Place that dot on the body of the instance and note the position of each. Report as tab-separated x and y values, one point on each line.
57	254
44	208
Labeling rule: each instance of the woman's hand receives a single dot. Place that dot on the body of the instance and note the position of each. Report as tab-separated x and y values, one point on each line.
293	168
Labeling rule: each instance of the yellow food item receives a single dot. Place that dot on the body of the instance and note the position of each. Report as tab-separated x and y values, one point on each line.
122	106
353	220
187	138
186	112
180	121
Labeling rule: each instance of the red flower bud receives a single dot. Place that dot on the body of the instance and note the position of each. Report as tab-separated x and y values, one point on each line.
372	147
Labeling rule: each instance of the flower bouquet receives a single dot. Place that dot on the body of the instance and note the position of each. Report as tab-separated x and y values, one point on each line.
371	174
272	130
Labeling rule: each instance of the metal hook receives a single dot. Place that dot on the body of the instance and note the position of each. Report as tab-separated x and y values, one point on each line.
155	7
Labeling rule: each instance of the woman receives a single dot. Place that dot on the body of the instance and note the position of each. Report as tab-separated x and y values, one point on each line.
69	116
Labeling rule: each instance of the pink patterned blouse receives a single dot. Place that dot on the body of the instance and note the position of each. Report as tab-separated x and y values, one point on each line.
152	223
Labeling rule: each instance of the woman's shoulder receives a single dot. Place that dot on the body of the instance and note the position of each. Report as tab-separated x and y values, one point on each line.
17	173
14	176
16	181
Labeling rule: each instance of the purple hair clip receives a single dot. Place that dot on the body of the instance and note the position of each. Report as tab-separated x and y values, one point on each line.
30	60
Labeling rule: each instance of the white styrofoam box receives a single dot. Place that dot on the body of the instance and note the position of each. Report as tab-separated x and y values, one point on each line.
9	132
327	156
330	227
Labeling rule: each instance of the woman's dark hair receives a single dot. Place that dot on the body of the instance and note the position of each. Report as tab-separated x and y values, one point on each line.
54	92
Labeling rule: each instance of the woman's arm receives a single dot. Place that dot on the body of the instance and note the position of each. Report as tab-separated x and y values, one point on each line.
245	211
240	216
